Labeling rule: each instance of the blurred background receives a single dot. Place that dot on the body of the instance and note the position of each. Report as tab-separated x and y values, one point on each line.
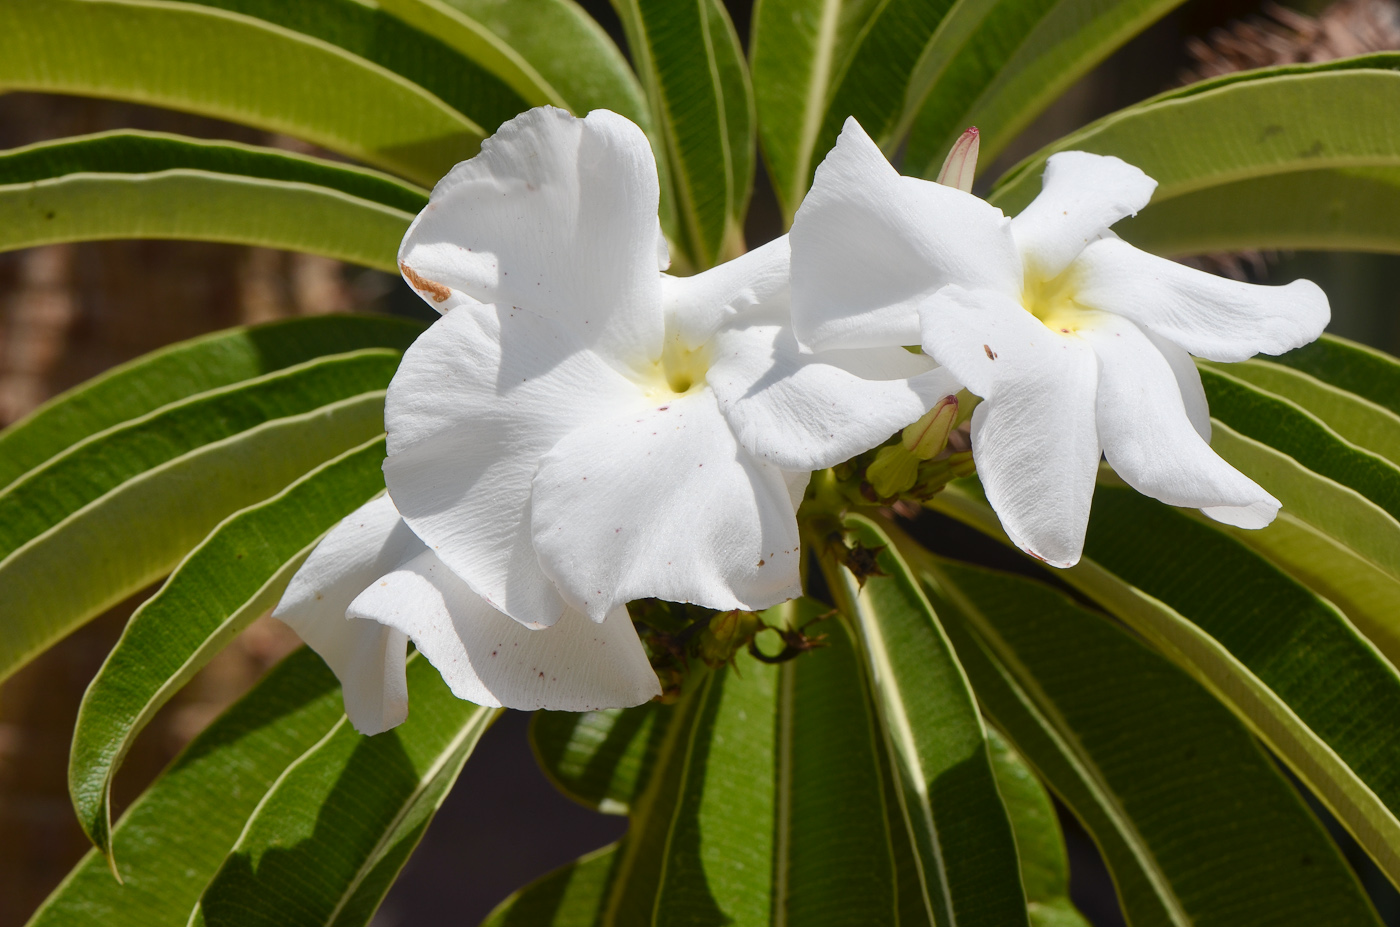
68	312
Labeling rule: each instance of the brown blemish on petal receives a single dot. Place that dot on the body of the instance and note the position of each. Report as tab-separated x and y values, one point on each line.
435	291
991	355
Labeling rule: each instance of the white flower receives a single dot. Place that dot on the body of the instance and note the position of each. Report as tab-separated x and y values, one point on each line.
371	586
1077	342
581	429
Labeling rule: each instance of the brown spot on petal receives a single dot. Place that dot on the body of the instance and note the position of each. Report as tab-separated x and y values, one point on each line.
991	355
435	291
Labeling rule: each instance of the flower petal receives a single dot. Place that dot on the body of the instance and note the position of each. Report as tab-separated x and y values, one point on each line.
1033	435
869	245
557	215
1188	382
1081	195
1148	439
664	503
366	657
811	411
477	400
696	306
1210	316
486	658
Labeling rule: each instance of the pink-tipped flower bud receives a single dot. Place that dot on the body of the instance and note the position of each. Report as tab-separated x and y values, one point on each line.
961	162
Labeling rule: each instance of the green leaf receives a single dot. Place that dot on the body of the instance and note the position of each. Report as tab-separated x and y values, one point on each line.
570	54
233	67
815	62
1332	538
697	84
1287	427
327	840
1282	158
231	578
461	66
100	464
1334	209
996	64
130	537
1040	845
173	838
600	759
1284	661
1362	422
764	799
1160	773
181	370
572	896
937	746
215	207
1353	367
127	151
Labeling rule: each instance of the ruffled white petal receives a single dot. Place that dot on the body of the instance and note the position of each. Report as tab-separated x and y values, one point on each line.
366	657
1033	435
478	399
1188	382
1148	439
556	215
1209	316
663	502
486	658
811	411
1081	195
868	246
695	307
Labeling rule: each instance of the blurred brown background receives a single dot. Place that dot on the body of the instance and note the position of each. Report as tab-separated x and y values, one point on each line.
68	312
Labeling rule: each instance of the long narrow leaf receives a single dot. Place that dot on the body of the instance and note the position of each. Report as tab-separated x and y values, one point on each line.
996	65
938	747
1353	367
696	81
1161	774
174	837
89	470
234	67
761	797
601	759
181	370
132	536
1264	644
477	78
1040	844
1364	423
548	50
1286	426
1227	148
816	62
236	574
327	839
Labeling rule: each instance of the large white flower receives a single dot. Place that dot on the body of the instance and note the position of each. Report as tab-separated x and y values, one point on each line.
581	429
1077	342
371	586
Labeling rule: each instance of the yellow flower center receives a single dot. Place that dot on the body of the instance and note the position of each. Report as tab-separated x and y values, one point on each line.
680	370
1052	301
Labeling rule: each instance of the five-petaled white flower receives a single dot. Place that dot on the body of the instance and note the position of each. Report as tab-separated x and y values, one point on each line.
1078	343
581	429
370	586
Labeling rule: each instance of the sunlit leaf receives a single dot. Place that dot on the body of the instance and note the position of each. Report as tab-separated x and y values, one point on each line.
330	835
174	837
237	68
1160	773
231	578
